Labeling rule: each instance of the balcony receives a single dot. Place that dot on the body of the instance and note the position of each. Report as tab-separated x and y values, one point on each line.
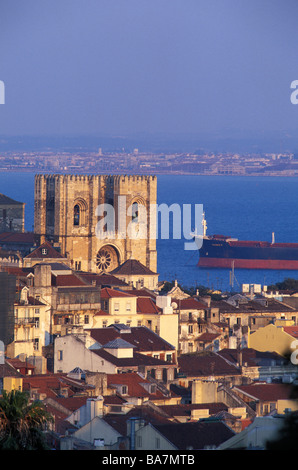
27	321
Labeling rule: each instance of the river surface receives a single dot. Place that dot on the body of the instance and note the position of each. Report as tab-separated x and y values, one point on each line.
248	208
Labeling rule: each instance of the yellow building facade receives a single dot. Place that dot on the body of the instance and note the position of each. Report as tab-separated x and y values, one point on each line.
272	338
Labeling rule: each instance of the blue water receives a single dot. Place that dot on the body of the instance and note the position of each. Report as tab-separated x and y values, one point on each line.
247	208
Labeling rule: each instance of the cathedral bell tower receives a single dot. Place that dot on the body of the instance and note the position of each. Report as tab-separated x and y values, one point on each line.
69	212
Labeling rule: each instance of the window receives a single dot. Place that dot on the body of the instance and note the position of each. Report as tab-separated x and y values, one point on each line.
157	443
135	212
128	306
116	307
78	265
44	251
86	319
169	357
36	344
60	355
190	329
104	324
76	215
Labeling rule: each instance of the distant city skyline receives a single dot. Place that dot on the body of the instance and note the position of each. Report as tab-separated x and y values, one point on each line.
218	69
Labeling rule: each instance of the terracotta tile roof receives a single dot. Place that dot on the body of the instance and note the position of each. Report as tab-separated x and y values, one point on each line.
142	293
101	313
204	365
252	357
50	252
17	237
291	330
31	301
134	362
207	337
67	280
185	410
144	412
267	392
132	267
71	403
107	293
196	436
252	306
5	200
141	337
147	305
189	303
50	384
104	280
17	271
18	364
134	383
7	370
114	399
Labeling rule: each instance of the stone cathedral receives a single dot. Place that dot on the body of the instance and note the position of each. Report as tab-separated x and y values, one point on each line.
67	214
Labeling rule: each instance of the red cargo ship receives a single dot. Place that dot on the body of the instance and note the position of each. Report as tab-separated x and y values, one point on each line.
219	251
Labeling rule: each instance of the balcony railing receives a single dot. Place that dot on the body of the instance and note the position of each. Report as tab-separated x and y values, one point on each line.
26	321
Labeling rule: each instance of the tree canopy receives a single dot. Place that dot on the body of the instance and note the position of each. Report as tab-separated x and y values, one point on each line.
22	423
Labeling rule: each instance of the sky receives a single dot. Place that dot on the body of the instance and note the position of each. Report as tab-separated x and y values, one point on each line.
123	67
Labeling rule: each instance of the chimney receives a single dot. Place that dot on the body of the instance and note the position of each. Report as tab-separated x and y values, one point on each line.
207	300
94	407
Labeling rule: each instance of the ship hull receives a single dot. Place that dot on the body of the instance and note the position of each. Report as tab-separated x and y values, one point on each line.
248	263
221	253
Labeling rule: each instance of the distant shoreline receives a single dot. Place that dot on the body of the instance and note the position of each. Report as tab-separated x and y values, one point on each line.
154	173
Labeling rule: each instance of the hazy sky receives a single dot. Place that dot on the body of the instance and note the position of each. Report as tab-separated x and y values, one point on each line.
127	66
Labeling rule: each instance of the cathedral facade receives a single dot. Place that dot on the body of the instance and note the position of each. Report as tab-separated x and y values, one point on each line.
95	219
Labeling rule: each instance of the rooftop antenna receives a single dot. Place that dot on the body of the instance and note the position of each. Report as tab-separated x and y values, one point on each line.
232	275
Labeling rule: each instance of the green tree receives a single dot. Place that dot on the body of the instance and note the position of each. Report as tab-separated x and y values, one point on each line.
22	423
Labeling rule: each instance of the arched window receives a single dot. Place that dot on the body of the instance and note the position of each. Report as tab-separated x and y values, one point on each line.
80	218
76	215
135	212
